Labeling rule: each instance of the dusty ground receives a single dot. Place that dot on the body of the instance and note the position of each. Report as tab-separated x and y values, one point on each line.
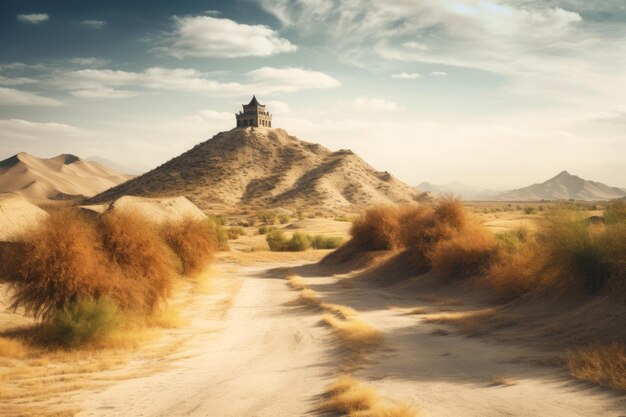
249	350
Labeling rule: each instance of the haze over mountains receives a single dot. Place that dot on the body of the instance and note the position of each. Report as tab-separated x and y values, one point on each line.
563	186
264	167
63	176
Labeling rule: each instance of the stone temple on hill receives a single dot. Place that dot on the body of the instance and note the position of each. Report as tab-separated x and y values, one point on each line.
254	114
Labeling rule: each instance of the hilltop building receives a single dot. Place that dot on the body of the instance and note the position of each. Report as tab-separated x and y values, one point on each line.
254	114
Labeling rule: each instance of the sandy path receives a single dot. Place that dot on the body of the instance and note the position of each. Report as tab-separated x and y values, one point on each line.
271	359
265	361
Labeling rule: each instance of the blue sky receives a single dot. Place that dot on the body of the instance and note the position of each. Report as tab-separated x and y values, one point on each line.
496	93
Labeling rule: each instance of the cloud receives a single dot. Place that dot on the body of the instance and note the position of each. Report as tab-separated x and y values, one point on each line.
211	37
102	83
94	24
16	81
104	93
406	76
12	97
374	104
285	80
89	61
438	74
528	44
33	18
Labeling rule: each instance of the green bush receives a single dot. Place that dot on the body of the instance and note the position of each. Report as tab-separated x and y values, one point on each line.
82	322
266	229
267	217
615	212
234	232
283	219
299	242
326	242
276	241
512	239
529	210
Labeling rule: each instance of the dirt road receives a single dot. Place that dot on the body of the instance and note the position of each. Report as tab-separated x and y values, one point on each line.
270	358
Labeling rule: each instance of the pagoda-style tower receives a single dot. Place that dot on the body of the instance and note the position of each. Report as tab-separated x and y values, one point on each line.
254	114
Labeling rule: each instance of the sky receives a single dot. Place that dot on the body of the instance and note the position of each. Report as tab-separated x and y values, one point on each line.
496	94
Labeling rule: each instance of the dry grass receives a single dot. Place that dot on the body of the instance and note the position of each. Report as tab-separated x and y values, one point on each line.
193	241
357	399
355	333
135	246
601	364
376	229
464	254
341	311
347	395
296	282
309	297
11	348
60	261
469	322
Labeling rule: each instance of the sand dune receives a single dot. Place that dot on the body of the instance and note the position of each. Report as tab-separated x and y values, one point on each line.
60	177
156	209
264	167
16	215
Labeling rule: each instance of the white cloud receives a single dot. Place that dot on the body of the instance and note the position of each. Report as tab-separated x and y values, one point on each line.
374	104
266	80
16	81
284	80
89	61
26	130
12	97
530	44
33	18
94	24
104	93
211	37
406	76
438	73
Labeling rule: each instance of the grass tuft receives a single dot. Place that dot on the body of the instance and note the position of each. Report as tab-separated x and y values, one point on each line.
355	333
601	364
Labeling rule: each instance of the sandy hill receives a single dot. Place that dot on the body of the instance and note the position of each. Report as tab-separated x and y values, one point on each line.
264	167
564	187
159	210
16	215
60	177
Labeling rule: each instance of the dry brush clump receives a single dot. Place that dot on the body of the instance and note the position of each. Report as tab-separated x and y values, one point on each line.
356	399
79	274
601	364
193	241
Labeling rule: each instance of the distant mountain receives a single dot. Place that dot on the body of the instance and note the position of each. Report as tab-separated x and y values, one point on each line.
263	167
61	177
116	166
564	187
457	188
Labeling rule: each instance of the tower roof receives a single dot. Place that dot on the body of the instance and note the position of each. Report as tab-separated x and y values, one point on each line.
254	101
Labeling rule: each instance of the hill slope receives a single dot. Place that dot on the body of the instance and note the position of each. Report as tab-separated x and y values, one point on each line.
264	167
564	187
54	178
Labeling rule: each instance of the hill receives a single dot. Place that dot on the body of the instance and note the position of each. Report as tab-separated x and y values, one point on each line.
457	188
61	177
263	167
564	186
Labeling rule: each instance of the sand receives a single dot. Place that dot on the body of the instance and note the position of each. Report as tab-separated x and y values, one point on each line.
61	177
270	358
16	215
